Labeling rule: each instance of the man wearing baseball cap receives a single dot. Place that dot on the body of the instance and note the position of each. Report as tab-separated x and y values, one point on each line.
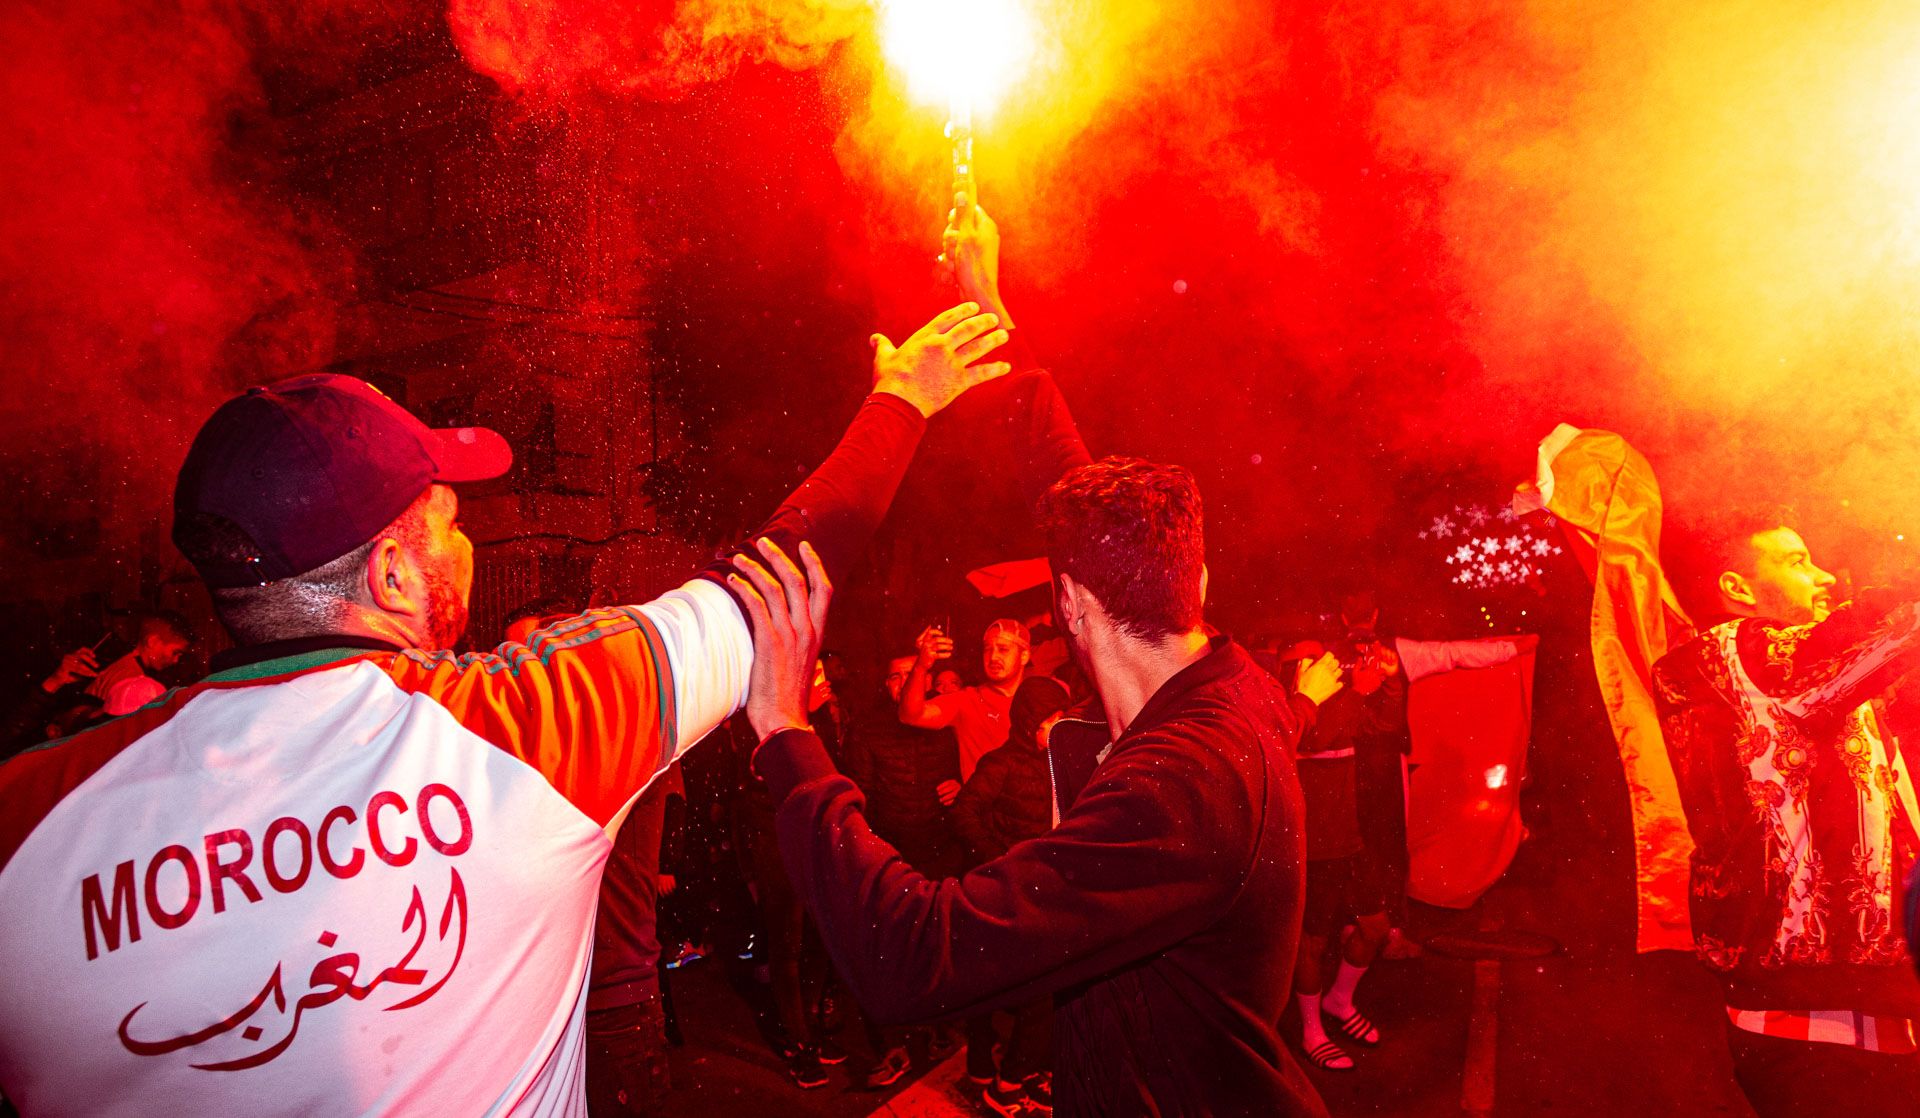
351	872
978	714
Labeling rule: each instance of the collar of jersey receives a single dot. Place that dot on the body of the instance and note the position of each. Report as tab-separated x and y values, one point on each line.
306	659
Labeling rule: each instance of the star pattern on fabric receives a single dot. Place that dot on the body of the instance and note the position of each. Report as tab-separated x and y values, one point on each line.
1501	547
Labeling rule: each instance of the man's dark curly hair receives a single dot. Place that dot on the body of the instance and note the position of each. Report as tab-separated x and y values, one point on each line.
1695	551
1130	531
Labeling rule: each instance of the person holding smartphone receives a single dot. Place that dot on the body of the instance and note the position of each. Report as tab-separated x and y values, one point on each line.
130	680
978	714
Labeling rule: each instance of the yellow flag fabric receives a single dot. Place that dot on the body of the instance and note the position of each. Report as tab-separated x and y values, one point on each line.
1608	502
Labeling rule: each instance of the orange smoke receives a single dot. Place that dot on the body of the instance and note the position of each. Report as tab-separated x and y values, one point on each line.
1699	221
654	48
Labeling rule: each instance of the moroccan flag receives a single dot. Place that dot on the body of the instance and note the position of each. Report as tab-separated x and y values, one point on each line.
1469	708
998	580
1608	502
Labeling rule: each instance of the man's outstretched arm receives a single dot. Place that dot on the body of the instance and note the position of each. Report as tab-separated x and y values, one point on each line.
915	709
840	504
601	703
1824	670
1125	875
837	508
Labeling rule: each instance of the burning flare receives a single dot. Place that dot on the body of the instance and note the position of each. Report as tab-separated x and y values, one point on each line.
963	54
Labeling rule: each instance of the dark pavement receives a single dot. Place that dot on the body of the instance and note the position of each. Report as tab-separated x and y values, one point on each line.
726	1069
1593	1030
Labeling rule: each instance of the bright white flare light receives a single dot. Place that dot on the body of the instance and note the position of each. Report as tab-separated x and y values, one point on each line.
1497	777
959	53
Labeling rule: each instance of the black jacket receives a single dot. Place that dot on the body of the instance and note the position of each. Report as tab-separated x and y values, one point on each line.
1162	914
1007	800
899	767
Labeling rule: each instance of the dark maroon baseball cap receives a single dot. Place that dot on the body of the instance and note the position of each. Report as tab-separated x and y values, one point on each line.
309	468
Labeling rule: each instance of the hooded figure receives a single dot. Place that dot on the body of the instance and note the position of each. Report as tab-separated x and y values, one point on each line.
1009	798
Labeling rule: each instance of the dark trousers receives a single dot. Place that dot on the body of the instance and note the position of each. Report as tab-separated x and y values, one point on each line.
931	851
1801	1079
1380	798
627	1074
783	921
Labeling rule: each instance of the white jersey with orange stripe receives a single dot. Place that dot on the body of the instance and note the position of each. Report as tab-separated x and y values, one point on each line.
345	883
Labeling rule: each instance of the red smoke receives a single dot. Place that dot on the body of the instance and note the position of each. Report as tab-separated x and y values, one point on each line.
1314	251
137	244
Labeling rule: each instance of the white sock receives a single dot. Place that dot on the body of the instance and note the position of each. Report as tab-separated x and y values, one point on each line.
1340	994
1313	1030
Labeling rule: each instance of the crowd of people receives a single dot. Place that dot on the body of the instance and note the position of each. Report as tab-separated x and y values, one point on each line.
352	871
953	777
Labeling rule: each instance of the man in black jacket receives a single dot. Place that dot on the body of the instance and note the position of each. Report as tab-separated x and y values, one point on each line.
909	776
1008	800
1163	912
1345	879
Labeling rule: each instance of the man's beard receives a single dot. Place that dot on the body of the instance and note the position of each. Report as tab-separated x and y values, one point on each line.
446	612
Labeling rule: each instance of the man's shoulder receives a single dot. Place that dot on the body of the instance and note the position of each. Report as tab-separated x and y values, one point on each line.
1225	730
109	677
1678	661
1696	671
131	694
35	781
1227	721
1245	701
1208	767
996	761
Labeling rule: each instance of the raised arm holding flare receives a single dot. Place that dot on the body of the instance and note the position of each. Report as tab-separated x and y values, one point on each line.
970	248
1028	403
1163	911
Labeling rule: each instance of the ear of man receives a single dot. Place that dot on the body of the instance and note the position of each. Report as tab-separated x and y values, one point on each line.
394	582
1076	604
1737	592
